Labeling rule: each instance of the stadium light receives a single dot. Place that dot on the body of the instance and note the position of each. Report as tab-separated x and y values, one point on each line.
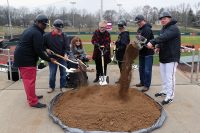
73	3
9	19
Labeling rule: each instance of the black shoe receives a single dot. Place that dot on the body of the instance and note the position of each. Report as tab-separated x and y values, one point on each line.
40	96
167	101
139	85
39	105
145	89
160	94
96	80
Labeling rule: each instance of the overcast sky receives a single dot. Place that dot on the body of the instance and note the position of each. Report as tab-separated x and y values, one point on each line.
94	5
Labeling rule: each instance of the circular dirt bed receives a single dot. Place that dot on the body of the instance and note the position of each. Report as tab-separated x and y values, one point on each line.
99	108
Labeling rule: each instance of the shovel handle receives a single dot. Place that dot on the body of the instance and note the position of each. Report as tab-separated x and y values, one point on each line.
60	64
82	62
60	56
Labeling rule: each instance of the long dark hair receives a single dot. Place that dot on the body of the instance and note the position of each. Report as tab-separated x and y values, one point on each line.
74	40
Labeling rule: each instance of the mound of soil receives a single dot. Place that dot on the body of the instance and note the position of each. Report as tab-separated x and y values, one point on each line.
100	108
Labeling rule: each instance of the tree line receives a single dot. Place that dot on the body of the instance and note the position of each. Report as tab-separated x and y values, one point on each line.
186	15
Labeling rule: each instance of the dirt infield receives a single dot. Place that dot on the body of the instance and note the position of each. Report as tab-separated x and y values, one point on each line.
99	108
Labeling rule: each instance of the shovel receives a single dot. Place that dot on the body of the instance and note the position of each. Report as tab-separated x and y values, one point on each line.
113	59
71	70
103	80
79	62
140	41
60	56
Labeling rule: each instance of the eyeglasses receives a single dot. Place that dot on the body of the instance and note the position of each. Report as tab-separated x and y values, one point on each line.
59	29
102	27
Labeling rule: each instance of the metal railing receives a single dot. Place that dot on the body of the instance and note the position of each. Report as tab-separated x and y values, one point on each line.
187	49
197	73
6	53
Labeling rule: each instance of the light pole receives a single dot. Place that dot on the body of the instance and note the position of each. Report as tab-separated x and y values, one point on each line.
73	3
119	5
101	12
9	19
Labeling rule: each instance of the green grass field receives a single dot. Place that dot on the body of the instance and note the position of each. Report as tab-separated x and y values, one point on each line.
184	39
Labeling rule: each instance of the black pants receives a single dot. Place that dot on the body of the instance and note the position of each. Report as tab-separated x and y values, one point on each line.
99	68
120	65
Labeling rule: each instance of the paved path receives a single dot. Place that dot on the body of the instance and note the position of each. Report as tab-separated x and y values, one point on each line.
17	117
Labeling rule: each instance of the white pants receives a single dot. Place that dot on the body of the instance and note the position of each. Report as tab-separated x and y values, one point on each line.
167	71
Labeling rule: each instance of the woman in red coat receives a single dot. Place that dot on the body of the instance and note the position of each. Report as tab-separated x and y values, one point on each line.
101	37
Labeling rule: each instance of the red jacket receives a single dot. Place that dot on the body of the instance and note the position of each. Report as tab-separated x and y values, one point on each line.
99	39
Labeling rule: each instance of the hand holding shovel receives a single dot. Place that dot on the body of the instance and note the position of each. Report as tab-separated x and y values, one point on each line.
63	57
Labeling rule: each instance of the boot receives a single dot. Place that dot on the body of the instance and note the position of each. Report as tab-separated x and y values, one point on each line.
97	78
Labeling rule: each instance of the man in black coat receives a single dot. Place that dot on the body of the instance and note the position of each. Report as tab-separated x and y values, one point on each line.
169	54
145	54
26	55
56	41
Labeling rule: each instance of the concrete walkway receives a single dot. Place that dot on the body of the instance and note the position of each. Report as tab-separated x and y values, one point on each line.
17	117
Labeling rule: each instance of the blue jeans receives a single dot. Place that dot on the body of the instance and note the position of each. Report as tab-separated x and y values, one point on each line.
52	74
145	69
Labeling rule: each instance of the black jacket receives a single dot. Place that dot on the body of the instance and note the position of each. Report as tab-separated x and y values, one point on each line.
57	43
121	43
30	48
169	43
146	32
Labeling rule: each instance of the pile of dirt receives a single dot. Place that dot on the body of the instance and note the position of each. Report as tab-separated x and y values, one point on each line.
99	108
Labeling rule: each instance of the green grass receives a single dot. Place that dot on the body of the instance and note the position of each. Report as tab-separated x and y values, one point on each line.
89	49
190	39
184	39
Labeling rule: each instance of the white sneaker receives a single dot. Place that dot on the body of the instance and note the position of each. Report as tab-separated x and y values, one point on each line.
167	101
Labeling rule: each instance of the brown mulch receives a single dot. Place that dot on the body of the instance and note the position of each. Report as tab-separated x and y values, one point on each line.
100	108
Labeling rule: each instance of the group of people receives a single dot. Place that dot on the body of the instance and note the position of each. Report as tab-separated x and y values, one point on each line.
34	44
167	44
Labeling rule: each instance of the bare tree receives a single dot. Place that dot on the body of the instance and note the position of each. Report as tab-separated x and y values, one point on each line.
146	11
197	7
23	16
135	11
109	15
191	18
51	13
153	15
